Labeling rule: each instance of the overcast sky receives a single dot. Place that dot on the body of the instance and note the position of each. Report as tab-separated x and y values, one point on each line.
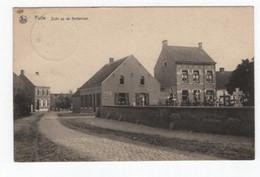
69	52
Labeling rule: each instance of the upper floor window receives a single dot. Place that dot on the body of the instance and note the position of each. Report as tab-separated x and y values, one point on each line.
185	76
142	80
47	92
43	91
122	80
196	76
209	77
164	63
37	91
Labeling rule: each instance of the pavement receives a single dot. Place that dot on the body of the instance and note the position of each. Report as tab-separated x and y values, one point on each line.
98	148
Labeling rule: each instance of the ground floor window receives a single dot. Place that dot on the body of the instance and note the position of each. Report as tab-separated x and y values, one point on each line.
196	95
82	101
185	95
209	94
121	99
142	99
98	99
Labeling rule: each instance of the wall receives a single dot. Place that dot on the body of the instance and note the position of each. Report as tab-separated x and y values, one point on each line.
132	71
226	120
166	75
191	86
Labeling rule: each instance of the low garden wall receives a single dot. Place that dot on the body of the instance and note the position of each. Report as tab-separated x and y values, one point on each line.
219	120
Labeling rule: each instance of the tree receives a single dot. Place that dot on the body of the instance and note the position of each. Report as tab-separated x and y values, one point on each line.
22	105
243	78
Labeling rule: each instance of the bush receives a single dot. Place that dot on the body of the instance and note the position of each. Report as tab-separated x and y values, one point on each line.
22	105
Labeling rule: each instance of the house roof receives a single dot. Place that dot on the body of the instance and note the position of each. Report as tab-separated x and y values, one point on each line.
189	55
103	73
222	78
36	80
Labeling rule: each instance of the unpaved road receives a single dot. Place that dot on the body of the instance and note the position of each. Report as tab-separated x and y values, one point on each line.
99	148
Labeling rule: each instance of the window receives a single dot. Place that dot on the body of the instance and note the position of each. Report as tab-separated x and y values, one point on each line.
81	101
38	92
209	94
43	92
196	76
185	76
185	95
47	92
90	100
196	95
86	101
121	99
122	80
209	77
142	99
44	103
142	80
164	63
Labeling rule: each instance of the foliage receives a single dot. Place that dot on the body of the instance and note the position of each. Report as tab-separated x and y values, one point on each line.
63	101
21	105
243	78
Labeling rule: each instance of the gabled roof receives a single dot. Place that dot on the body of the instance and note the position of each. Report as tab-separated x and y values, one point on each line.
189	55
222	78
103	73
36	80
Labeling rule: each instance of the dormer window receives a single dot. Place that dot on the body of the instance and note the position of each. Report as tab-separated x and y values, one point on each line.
142	80
122	80
184	76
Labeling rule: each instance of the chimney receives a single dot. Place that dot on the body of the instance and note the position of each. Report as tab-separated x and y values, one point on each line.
200	45
22	72
164	43
221	69
37	73
111	60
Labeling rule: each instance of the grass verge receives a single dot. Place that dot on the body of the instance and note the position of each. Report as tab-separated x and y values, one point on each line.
210	148
31	146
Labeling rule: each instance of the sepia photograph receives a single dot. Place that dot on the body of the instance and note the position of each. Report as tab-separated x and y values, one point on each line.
133	84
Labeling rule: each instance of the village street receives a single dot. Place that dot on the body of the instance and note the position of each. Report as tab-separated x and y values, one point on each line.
100	148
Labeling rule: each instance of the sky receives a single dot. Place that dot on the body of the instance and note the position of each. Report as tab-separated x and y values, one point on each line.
68	52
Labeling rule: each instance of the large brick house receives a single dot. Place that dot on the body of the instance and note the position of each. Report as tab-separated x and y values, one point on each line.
121	82
187	73
37	89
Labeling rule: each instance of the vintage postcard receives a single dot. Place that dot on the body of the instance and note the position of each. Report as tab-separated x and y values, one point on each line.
133	84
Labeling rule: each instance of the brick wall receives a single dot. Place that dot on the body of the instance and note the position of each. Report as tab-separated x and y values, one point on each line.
226	120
